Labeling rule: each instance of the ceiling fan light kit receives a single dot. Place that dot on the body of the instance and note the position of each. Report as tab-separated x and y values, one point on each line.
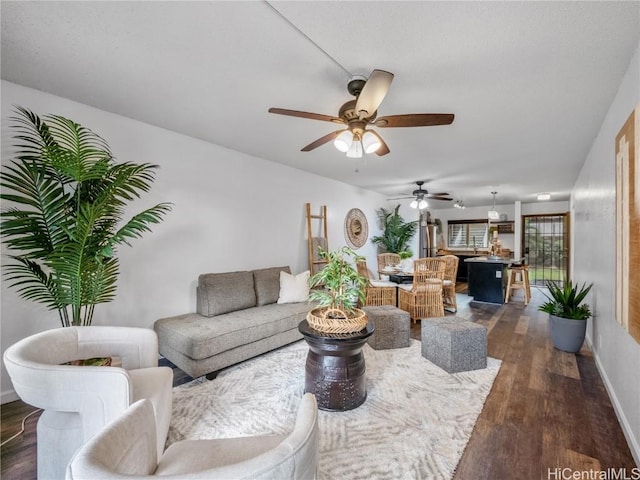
419	204
357	114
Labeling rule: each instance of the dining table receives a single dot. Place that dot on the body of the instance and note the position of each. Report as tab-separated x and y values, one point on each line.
401	277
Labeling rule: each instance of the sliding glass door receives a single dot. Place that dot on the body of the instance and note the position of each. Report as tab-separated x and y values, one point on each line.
546	247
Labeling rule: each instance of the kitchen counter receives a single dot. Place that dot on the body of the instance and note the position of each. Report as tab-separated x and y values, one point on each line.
489	259
487	278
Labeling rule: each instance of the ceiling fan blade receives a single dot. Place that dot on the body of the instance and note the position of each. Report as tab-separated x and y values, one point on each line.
402	198
373	93
440	198
321	141
383	149
299	114
441	194
415	120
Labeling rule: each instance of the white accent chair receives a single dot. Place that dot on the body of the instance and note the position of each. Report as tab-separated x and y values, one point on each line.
78	401
124	449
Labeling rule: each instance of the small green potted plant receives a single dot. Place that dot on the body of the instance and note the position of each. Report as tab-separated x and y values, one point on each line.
342	288
567	314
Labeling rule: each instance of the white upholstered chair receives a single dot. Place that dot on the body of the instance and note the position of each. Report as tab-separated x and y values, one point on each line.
78	401
124	449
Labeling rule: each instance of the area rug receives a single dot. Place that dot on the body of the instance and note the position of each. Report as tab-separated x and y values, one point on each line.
414	424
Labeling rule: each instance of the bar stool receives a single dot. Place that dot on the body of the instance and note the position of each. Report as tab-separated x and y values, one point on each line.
518	280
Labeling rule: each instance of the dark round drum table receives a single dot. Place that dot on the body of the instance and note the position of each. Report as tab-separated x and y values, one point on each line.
335	369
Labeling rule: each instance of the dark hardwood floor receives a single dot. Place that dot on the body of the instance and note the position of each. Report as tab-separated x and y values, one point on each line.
547	409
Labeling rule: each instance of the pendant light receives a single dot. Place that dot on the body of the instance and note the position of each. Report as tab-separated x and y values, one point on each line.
493	213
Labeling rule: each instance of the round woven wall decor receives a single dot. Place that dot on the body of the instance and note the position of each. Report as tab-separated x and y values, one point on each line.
356	228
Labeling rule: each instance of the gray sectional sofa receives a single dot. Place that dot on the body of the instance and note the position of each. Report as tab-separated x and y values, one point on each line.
237	318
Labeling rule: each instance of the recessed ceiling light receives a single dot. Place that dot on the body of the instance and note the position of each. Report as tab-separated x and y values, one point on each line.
544	196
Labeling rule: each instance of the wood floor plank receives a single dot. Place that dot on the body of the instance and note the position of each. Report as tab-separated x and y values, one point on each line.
522	326
495	407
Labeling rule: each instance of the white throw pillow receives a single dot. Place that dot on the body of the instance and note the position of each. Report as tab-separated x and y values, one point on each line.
294	288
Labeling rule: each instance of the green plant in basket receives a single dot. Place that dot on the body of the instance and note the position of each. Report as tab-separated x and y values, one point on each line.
343	285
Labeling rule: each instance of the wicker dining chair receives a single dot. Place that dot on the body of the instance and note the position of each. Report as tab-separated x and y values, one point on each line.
387	260
449	282
423	298
378	292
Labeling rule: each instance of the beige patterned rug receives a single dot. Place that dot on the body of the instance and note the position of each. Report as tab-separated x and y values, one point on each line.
414	424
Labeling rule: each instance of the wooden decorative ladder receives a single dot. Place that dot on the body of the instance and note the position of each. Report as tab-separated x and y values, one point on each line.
320	240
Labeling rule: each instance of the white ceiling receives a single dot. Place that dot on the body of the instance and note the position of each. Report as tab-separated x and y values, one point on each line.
528	82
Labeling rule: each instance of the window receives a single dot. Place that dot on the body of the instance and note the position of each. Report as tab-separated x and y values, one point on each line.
468	233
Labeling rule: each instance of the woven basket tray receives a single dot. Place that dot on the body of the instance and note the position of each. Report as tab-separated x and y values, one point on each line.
319	320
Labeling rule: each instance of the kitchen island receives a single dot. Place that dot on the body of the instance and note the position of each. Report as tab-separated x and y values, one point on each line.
487	278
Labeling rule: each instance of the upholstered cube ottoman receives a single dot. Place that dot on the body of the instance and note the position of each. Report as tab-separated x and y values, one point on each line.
454	344
392	327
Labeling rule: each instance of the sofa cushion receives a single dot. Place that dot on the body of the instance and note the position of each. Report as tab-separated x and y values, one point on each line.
219	293
267	284
294	288
199	337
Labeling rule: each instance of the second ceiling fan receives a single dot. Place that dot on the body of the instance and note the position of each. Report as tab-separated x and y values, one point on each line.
361	113
420	196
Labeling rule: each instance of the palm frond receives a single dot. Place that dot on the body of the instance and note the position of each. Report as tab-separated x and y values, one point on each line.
31	282
140	223
39	224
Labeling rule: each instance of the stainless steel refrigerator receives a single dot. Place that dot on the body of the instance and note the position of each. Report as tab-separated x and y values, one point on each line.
428	239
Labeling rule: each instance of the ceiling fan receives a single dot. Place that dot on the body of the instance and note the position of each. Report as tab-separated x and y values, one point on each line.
420	195
361	113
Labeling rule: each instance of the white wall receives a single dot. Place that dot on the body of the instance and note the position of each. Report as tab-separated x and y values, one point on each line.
593	209
231	212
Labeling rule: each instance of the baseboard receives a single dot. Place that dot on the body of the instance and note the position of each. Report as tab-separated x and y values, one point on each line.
634	446
8	396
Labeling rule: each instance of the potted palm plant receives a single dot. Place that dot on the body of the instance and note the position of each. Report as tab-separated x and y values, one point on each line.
64	222
342	288
567	314
396	233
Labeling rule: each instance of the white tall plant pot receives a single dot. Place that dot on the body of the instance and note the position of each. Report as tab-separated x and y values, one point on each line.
567	334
